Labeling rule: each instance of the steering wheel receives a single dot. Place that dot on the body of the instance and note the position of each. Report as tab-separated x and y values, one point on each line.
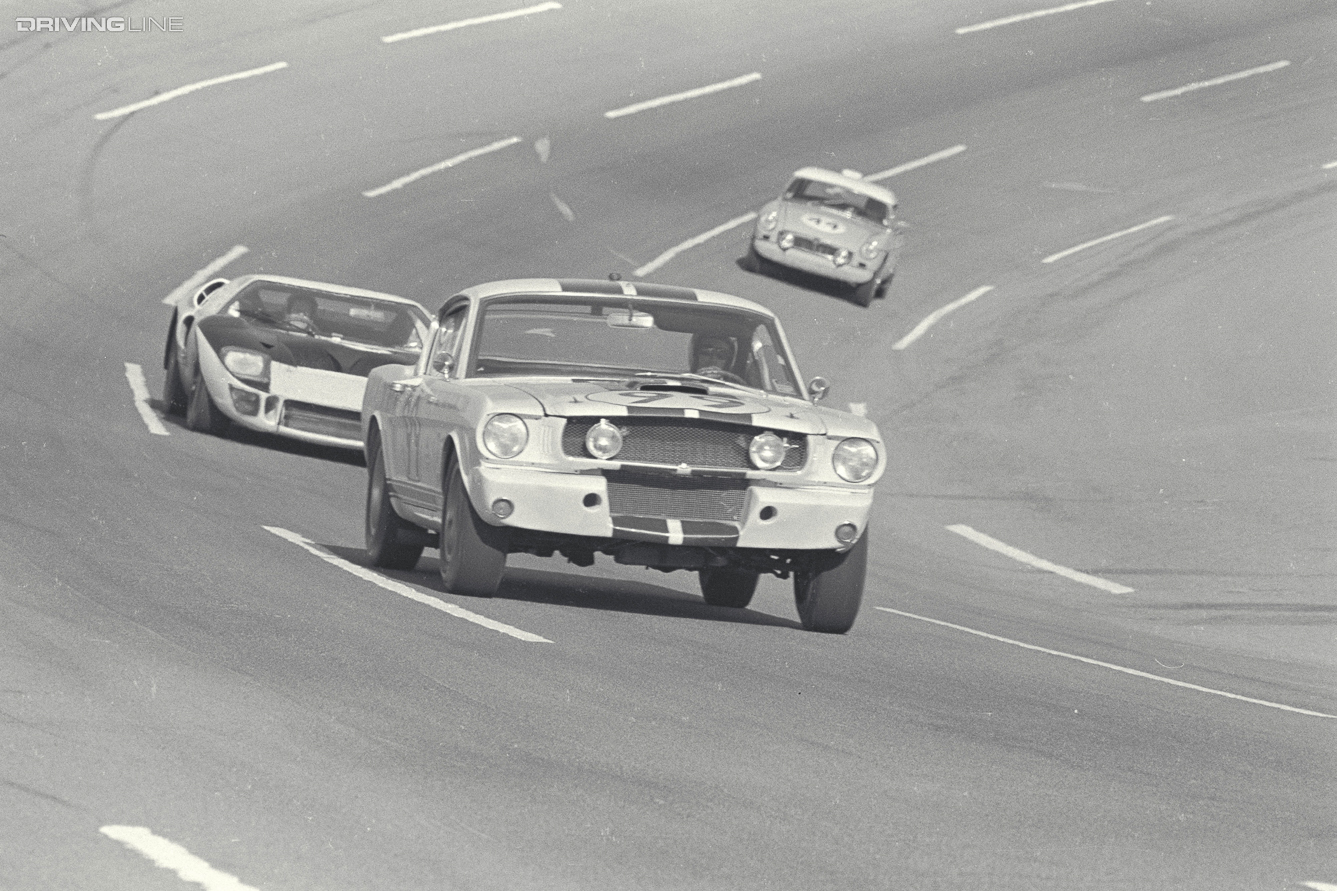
714	371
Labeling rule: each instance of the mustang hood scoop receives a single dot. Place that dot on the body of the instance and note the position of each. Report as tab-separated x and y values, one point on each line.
583	399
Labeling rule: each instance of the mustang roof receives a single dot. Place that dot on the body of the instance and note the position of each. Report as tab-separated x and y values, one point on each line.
862	186
243	280
614	288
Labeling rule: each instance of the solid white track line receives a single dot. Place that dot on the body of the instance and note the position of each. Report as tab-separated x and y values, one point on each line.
683	96
693	242
1119	668
465	23
1104	238
435	168
140	389
932	318
403	590
189	88
994	544
1027	16
171	856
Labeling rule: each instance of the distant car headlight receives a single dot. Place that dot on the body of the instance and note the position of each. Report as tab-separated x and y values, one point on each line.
769	221
871	248
604	440
786	240
767	451
854	460
505	435
842	257
246	364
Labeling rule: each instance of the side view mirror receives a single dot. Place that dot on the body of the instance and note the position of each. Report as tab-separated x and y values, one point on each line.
818	387
203	293
443	363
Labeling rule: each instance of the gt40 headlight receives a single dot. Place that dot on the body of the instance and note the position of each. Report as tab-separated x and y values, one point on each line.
767	451
248	365
505	435
871	248
854	460
604	440
769	221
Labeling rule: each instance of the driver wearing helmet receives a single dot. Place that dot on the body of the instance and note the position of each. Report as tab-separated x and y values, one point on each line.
713	354
300	313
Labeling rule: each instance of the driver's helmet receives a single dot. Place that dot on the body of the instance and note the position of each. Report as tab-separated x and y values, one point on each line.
713	351
301	308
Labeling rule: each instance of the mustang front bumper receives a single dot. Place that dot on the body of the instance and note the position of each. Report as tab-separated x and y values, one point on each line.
668	508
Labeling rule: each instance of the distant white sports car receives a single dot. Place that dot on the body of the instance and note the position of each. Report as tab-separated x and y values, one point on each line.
835	225
284	355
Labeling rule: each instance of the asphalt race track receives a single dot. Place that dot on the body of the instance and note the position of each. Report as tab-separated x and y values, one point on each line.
1097	649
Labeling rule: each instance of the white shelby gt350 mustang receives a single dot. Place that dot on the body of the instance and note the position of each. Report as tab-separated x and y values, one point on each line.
834	225
663	426
284	355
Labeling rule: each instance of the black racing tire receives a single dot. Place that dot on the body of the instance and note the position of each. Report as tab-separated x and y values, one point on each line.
752	260
392	541
828	599
863	294
201	412
473	554
728	586
174	395
882	288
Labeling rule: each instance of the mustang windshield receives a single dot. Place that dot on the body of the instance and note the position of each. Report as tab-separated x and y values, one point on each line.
571	336
838	197
340	317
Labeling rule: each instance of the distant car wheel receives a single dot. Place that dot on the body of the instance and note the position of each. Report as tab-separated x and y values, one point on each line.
201	413
174	395
881	291
392	542
828	599
727	586
473	554
863	294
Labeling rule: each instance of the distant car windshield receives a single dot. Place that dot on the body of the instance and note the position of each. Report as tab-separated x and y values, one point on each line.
341	317
573	336
839	197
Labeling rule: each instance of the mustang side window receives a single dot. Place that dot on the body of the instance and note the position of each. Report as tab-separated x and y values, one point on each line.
445	352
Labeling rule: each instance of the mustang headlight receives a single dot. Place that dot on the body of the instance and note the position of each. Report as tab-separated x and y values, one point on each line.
246	364
854	460
604	440
505	435
767	451
871	248
785	241
842	257
769	221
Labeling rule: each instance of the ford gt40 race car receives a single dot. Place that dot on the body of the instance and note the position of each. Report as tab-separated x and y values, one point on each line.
284	355
834	225
662	426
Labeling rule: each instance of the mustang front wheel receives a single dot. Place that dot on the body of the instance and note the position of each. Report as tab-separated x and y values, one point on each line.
828	599
201	413
727	586
473	554
392	542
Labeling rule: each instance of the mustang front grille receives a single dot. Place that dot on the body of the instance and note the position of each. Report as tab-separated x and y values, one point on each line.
310	418
696	443
674	497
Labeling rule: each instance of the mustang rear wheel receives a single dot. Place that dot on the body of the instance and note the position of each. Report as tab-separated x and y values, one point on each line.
473	554
828	599
201	413
392	542
174	395
727	586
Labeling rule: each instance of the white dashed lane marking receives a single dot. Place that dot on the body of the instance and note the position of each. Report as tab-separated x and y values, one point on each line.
171	856
994	544
1027	16
140	390
199	278
1119	668
435	168
1104	238
465	23
683	96
932	318
189	88
918	162
403	590
1223	79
